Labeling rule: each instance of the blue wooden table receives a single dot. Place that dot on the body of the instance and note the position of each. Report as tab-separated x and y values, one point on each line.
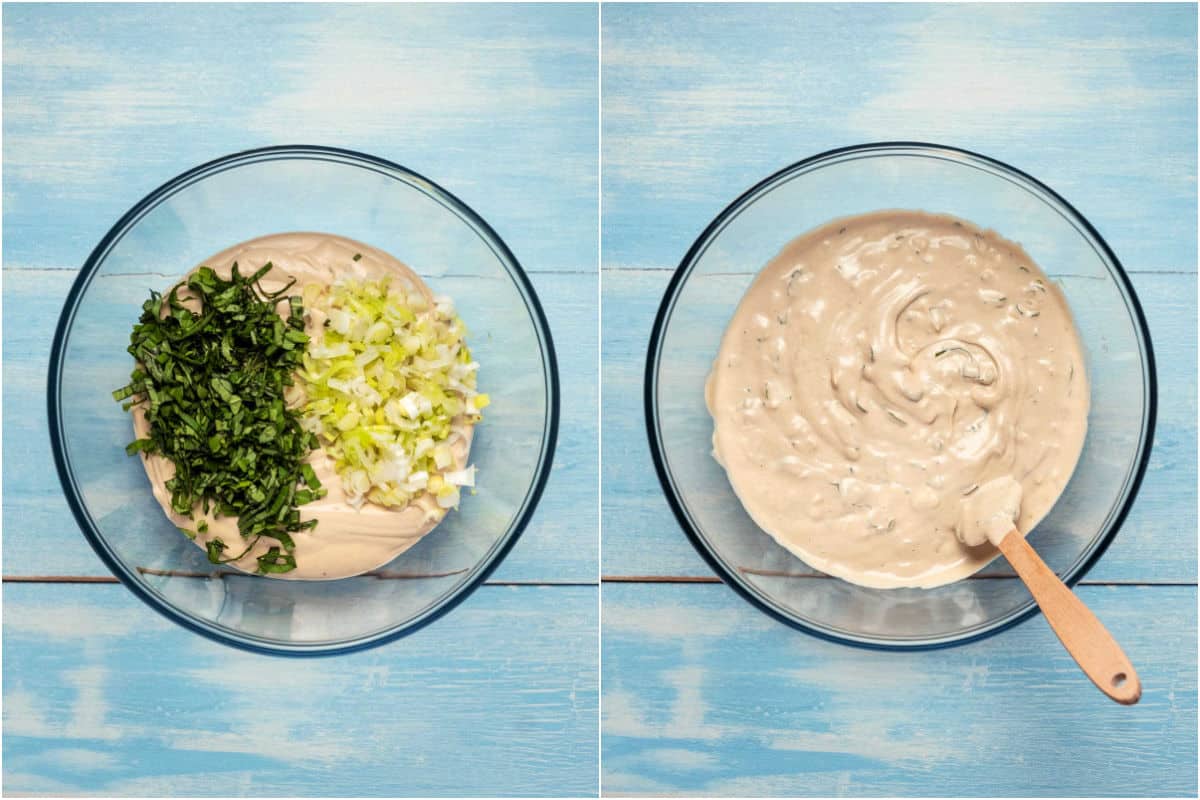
702	693
103	104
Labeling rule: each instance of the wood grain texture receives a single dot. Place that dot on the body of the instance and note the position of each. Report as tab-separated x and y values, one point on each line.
498	104
704	695
97	99
104	103
703	101
104	697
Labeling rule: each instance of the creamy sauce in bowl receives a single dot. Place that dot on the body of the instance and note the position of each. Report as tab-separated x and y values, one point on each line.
347	540
876	374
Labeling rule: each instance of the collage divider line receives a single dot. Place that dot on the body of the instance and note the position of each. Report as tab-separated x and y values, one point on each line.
599	398
645	579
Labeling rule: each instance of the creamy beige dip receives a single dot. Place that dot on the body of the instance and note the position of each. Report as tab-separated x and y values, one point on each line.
347	541
876	374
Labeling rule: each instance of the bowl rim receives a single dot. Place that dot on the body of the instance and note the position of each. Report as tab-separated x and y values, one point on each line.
479	572
728	574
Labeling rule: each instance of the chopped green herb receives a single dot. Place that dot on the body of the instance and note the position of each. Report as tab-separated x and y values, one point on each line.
310	477
213	362
215	547
357	256
275	561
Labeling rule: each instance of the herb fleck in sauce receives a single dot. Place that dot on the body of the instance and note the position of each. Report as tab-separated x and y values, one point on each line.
922	355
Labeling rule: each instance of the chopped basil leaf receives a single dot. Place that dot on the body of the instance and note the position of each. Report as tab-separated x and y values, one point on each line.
211	375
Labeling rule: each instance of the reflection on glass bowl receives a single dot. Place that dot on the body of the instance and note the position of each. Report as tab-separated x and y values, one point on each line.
721	265
273	190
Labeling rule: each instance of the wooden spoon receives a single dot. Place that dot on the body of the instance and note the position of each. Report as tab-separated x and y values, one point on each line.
1086	639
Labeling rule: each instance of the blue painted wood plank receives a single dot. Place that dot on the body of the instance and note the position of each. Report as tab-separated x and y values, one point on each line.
704	695
102	104
641	536
497	103
41	536
702	101
104	697
691	121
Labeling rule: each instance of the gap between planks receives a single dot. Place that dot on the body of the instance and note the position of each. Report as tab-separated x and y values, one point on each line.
176	276
704	579
648	579
111	579
711	579
746	274
165	276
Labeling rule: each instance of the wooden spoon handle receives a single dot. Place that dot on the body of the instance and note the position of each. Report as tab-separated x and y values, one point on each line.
1086	639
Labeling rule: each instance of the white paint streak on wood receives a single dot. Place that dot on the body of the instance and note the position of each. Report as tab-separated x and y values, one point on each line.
498	104
968	68
434	77
778	712
387	721
1100	103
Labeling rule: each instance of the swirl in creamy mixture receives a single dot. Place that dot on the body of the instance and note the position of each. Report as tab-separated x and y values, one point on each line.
879	371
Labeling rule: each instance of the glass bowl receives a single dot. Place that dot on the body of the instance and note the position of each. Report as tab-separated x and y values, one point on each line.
719	268
275	190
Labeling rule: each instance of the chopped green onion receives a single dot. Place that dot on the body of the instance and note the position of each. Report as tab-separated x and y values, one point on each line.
387	385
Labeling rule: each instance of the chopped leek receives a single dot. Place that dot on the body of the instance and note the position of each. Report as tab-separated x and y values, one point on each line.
389	385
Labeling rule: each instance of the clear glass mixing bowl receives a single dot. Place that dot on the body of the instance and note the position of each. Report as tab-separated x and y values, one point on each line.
719	268
275	190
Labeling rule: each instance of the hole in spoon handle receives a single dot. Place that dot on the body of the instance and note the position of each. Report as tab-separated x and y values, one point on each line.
1125	688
